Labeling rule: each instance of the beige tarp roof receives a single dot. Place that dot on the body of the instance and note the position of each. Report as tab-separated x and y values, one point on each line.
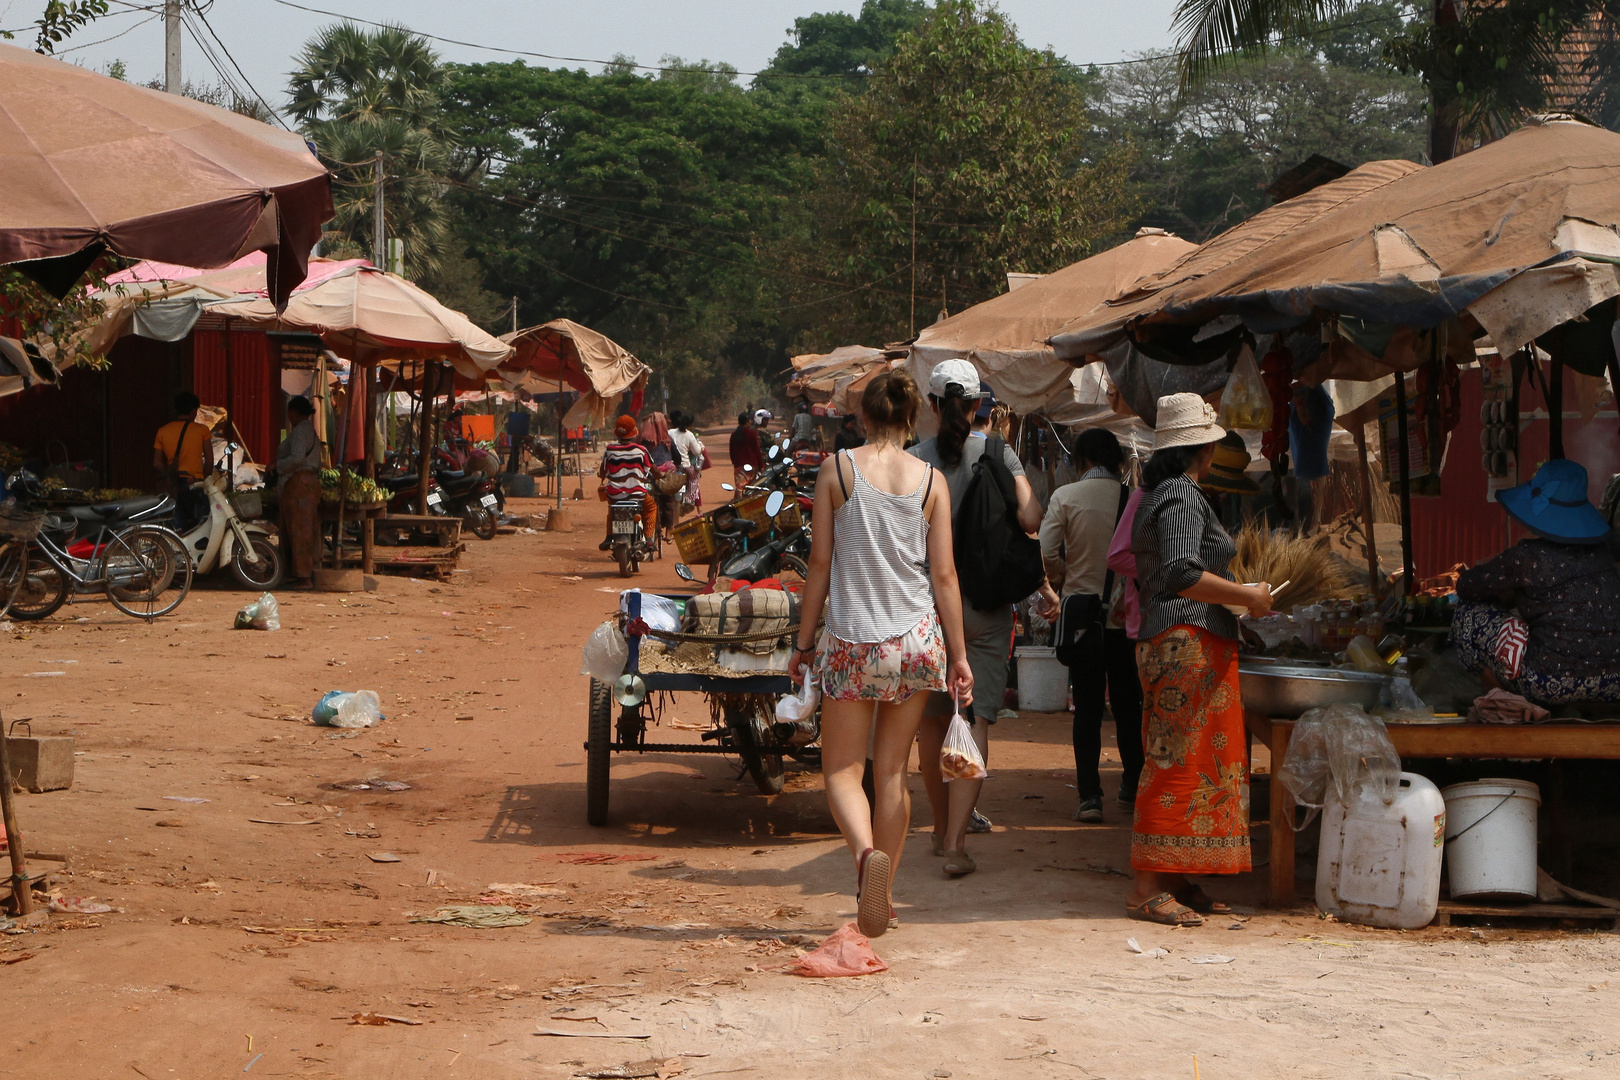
590	362
1264	235
1005	337
820	377
1523	234
367	315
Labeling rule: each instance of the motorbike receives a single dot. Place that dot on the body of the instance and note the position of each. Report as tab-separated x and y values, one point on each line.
631	544
472	497
740	558
224	539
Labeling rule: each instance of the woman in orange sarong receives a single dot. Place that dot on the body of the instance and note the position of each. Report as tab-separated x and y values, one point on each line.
1192	804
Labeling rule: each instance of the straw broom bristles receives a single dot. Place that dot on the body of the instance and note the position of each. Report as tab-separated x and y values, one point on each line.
1306	562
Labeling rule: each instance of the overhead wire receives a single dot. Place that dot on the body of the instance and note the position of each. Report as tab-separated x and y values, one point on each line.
201	10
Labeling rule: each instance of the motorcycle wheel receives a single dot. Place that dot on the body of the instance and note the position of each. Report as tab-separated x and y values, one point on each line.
597	754
267	575
765	768
621	553
480	521
40	591
792	563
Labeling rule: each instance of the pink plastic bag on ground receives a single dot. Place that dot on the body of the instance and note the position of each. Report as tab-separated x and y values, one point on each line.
846	952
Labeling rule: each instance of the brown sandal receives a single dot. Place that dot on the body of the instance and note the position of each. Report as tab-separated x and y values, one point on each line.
1201	902
873	909
1166	910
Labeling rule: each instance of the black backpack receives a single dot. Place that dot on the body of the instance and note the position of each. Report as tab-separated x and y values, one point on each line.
997	563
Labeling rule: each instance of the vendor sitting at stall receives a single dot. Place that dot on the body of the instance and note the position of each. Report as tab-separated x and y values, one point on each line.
626	473
1563	643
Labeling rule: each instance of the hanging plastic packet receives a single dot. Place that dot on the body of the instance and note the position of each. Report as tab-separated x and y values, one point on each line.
959	758
1245	403
792	708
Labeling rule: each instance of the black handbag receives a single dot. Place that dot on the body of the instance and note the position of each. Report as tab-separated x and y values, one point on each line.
1080	615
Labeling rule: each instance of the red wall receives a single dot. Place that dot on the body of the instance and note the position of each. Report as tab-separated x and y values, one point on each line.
1460	525
255	398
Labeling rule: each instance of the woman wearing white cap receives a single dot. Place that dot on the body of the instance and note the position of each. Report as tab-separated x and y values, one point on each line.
963	404
1192	805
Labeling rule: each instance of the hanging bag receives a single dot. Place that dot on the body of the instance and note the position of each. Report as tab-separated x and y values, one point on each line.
959	757
996	561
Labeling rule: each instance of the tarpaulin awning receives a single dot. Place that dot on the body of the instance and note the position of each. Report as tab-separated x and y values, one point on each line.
1006	337
819	377
22	366
95	165
1522	234
564	351
367	315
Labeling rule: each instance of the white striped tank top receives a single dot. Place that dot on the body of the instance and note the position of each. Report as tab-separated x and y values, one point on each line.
880	586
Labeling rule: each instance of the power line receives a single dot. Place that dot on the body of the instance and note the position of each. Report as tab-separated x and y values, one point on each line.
201	15
693	70
115	37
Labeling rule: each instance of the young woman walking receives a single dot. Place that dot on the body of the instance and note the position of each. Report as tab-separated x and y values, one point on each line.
881	564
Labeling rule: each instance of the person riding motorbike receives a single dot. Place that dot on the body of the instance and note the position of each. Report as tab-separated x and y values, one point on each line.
626	473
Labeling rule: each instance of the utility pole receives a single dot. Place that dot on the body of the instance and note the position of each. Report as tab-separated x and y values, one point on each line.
379	240
514	315
171	46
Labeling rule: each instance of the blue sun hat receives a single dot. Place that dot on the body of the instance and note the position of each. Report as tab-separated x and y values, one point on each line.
1553	505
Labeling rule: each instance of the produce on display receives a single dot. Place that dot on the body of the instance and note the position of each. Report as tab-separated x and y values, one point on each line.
360	490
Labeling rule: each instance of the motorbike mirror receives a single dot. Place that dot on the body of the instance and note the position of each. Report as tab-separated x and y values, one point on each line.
775	450
748	468
684	572
773	503
727	487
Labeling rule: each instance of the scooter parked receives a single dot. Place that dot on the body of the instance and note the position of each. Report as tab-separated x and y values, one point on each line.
224	539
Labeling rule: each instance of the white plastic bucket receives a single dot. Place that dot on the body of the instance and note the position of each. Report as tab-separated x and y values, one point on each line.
1491	838
1043	682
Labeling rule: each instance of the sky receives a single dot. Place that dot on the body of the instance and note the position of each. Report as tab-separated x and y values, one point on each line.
263	35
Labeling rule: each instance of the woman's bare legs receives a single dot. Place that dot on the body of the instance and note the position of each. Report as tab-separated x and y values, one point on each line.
845	729
953	802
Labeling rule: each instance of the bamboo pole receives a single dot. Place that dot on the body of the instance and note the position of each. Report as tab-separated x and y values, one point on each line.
1406	484
1369	533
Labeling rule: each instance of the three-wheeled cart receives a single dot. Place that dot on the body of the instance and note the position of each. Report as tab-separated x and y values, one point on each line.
742	709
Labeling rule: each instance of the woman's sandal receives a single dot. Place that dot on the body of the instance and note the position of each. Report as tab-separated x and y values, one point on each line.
938	843
1154	910
872	909
1201	902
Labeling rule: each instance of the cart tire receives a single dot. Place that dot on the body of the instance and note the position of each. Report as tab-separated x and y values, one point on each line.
597	754
765	768
621	552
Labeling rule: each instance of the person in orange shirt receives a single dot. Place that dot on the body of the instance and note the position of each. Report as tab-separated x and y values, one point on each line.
180	458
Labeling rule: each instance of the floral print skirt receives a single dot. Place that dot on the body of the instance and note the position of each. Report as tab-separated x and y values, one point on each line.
887	671
1192	806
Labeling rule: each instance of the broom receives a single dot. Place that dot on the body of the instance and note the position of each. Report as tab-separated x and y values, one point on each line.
1305	563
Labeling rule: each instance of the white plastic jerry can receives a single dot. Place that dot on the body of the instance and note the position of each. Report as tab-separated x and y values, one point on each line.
1380	865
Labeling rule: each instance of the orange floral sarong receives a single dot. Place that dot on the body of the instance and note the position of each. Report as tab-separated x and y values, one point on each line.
1192	806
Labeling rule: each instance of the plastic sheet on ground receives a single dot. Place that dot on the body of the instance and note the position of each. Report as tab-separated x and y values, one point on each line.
845	953
477	916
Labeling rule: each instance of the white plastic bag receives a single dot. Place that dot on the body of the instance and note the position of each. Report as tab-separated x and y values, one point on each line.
1335	751
658	612
263	614
801	706
342	709
605	654
959	758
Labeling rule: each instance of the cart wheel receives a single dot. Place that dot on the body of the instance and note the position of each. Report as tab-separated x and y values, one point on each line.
765	768
597	753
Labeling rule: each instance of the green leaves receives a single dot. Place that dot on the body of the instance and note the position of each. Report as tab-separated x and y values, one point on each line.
61	18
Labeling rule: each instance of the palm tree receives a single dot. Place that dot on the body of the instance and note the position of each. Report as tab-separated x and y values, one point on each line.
359	92
1486	63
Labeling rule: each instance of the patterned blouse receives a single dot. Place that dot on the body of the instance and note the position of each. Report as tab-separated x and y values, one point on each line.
1568	593
1176	538
626	466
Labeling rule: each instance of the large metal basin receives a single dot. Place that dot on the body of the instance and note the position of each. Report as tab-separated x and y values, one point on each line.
1285	689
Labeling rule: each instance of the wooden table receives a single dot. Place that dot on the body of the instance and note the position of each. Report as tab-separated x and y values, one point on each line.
366	515
1530	741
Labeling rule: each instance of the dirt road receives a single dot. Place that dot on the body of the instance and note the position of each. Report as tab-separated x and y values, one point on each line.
238	844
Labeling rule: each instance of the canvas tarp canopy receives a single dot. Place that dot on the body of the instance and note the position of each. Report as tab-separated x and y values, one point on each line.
1006	337
22	366
592	363
95	165
163	301
819	377
367	315
1520	236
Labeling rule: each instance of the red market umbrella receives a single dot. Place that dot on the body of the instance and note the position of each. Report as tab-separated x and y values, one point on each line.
92	165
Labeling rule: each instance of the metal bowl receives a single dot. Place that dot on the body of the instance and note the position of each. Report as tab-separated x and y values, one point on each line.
1285	689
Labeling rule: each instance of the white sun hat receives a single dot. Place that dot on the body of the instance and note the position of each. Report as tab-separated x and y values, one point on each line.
954	378
1185	420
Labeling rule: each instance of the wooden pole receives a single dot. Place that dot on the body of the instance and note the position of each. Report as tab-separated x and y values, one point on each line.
561	364
430	380
19	865
354	397
1555	408
1368	531
230	397
1406	484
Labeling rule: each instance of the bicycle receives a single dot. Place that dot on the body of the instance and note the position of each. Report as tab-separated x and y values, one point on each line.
137	568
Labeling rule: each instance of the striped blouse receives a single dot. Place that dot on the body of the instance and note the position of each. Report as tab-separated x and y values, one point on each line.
1175	539
627	467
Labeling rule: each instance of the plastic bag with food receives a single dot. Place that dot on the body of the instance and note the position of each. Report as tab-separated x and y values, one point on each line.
959	758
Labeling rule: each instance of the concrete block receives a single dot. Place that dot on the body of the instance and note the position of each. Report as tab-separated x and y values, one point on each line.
41	762
560	519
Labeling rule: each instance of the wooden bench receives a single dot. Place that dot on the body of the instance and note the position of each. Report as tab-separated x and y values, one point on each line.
1523	741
